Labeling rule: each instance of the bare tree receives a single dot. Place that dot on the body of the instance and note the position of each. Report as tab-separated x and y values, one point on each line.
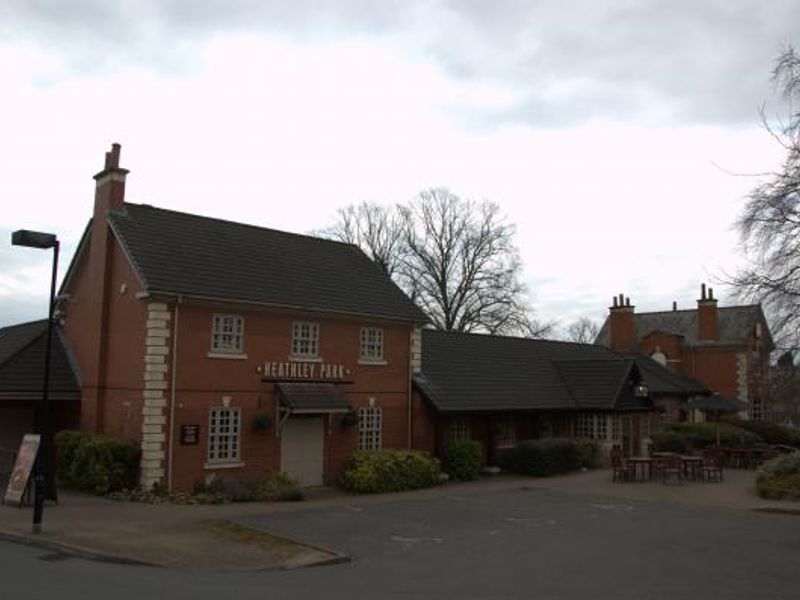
455	258
770	223
583	331
375	229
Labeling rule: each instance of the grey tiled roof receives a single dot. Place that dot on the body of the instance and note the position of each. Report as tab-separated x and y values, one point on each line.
471	372
736	324
661	380
180	253
22	353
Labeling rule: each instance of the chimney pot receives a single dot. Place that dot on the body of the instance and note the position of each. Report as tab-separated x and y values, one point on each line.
627	300
702	291
710	293
674	305
615	302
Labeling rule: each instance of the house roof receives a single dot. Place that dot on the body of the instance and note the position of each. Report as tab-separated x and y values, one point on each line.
472	372
22	354
661	380
736	324
180	253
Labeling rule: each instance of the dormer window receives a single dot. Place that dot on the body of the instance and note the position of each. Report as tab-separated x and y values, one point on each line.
227	334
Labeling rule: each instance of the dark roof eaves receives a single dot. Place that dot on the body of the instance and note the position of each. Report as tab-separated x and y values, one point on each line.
82	244
275	305
124	246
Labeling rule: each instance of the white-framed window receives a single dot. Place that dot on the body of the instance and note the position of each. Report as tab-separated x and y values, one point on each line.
505	432
227	334
224	430
305	339
370	426
592	426
458	429
371	343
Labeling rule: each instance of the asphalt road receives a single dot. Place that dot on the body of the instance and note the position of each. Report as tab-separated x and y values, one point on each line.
523	544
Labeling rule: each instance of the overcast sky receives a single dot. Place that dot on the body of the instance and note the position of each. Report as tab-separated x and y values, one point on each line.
620	137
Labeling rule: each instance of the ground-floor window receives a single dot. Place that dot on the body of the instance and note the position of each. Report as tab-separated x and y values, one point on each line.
224	429
505	432
592	426
370	426
458	429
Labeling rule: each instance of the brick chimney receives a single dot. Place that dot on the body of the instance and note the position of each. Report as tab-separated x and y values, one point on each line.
707	316
622	324
109	194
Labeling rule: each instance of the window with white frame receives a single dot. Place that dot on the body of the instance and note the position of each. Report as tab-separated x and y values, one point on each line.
305	339
505	432
370	426
227	334
224	428
371	343
458	429
592	426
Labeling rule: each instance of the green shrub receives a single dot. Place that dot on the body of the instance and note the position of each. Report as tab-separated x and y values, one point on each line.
279	487
589	455
543	457
701	435
779	478
67	442
462	461
96	463
668	441
769	432
377	471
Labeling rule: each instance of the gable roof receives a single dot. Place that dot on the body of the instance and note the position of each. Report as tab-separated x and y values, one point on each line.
180	253
661	380
22	354
474	372
736	325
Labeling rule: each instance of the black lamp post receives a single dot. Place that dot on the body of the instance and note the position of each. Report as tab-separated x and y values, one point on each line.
43	468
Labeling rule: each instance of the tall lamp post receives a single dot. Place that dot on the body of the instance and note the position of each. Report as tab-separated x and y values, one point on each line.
44	476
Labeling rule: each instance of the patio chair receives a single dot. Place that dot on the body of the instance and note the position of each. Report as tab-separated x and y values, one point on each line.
712	466
619	470
668	468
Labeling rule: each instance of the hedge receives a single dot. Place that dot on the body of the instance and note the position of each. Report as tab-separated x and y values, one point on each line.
462	460
96	463
769	432
704	434
779	478
543	457
378	471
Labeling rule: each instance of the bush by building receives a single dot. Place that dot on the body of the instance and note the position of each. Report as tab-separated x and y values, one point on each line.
462	460
701	435
589	455
668	441
770	432
779	478
377	471
543	457
272	487
96	463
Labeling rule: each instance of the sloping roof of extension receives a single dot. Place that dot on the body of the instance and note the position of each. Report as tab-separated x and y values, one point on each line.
736	324
472	372
196	256
661	380
22	353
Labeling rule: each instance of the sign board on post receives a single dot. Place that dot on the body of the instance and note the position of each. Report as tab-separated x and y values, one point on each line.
23	466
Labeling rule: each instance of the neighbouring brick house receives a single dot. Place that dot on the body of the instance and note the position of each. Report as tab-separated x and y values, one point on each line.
501	390
188	330
725	348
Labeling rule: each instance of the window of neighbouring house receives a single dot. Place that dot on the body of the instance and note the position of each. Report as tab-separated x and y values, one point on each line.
592	426
370	427
371	344
224	428
505	432
227	334
305	339
458	429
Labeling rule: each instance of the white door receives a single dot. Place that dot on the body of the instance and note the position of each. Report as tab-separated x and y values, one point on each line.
302	442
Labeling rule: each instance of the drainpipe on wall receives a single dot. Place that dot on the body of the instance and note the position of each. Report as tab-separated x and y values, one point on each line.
172	394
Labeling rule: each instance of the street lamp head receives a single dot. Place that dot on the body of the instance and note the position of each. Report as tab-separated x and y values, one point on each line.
33	239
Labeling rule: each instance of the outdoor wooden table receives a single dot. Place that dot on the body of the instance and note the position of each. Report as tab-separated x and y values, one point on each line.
641	467
692	467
